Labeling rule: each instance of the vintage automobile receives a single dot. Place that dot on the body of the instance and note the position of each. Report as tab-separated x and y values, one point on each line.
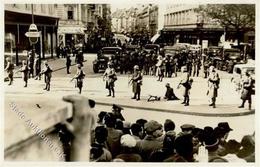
172	50
150	47
237	74
107	54
231	57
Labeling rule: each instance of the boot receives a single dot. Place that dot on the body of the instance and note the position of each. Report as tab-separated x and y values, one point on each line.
249	106
134	96
109	94
242	105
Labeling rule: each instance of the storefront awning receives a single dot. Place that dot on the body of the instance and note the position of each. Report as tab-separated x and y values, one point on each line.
71	30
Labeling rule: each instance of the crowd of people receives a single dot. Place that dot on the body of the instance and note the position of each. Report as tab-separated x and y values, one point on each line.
114	139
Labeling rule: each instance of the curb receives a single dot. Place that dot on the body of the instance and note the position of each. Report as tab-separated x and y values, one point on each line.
183	112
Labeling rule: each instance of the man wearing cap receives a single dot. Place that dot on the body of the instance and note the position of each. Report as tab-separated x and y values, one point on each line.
136	82
47	71
110	77
9	69
150	143
169	95
128	154
116	109
213	85
222	132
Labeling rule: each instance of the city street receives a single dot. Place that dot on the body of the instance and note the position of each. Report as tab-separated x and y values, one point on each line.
198	113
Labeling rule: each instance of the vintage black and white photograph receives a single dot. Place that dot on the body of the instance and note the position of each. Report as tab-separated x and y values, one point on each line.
139	82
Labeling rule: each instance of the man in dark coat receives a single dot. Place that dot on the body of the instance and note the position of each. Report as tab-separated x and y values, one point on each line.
136	82
47	71
9	69
37	67
68	64
24	70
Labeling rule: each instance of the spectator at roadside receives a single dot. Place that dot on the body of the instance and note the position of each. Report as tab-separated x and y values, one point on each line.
150	143
128	154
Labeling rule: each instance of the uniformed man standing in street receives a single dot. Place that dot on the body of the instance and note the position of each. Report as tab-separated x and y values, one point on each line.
47	71
110	77
25	71
213	85
37	67
186	83
136	82
68	63
80	75
247	84
9	69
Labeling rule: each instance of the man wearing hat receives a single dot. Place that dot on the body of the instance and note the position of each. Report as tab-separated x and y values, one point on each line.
169	95
47	71
136	82
116	109
150	143
128	154
110	77
187	128
9	69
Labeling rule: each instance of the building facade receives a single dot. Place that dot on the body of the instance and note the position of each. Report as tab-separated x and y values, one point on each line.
183	24
18	18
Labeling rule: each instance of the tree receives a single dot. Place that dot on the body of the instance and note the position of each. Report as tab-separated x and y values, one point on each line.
238	17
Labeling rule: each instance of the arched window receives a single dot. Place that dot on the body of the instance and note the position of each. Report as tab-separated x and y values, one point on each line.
70	12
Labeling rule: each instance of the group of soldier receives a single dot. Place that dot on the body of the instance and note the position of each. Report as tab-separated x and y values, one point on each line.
143	63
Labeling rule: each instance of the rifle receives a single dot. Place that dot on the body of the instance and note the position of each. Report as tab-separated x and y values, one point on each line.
130	82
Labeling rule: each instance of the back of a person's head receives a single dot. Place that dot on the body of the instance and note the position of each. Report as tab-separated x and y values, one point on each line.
119	125
136	129
232	146
101	116
169	125
110	120
101	134
183	145
157	156
168	142
141	122
95	153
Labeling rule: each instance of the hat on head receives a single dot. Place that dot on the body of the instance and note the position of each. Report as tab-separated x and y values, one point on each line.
127	125
232	146
152	126
136	67
187	127
224	126
117	107
128	141
210	140
167	85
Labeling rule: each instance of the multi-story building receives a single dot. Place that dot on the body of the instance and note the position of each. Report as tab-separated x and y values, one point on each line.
18	18
183	24
147	19
72	23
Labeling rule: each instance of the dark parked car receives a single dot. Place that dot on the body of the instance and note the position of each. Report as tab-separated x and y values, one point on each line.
150	47
106	54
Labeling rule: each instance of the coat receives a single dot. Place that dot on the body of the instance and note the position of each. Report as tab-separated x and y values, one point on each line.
110	75
79	77
147	146
247	88
47	71
25	71
113	141
213	85
137	81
